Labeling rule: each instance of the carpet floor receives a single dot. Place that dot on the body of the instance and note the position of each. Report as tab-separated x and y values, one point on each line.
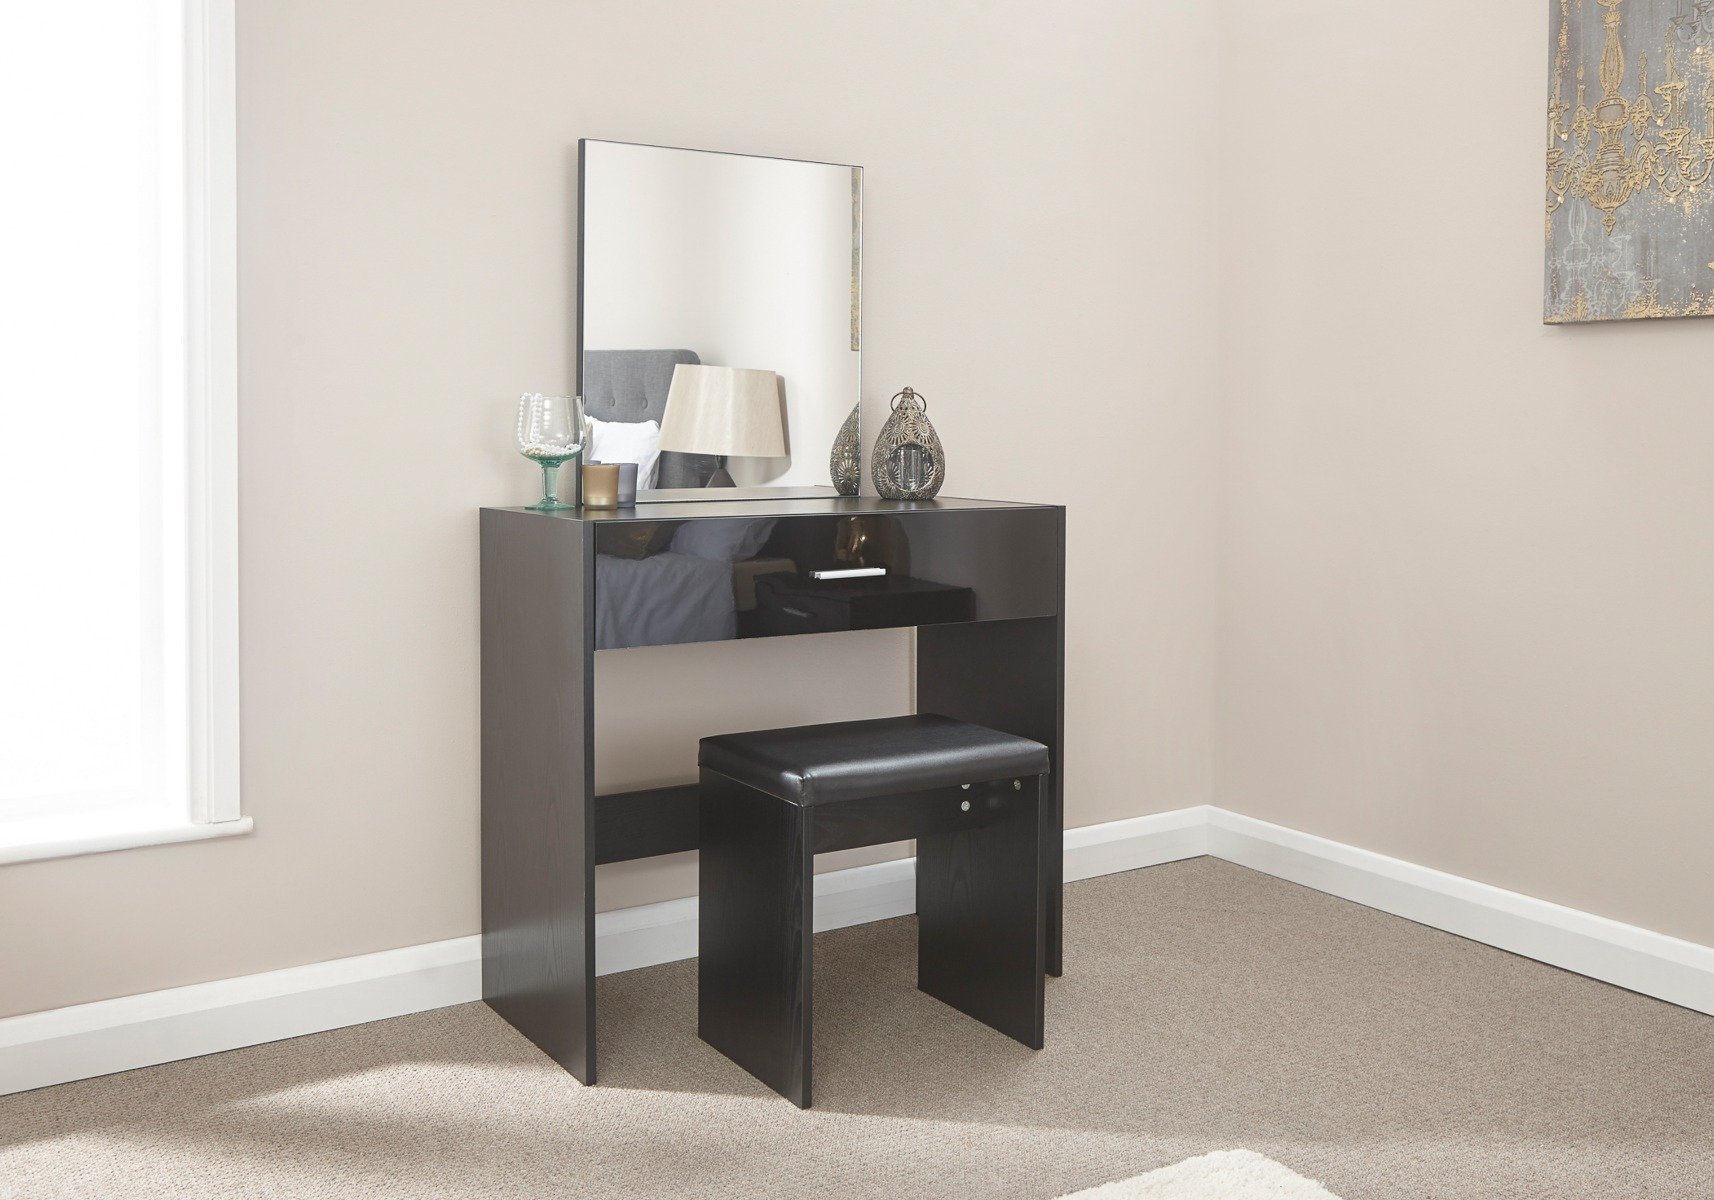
1204	1007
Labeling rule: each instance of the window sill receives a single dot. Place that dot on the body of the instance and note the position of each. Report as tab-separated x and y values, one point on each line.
31	840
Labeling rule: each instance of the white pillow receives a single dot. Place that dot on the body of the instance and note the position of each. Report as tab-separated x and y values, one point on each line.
626	441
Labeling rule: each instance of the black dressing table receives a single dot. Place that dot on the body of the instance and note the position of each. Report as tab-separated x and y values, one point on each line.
982	582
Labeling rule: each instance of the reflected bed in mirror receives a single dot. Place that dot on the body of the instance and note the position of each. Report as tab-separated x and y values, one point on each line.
718	309
664	582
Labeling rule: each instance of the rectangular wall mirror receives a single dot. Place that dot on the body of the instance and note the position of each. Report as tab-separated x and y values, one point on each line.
719	302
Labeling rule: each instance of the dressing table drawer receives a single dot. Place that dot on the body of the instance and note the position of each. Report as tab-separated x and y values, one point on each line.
681	578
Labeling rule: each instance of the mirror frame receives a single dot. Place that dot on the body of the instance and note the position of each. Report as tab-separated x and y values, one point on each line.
681	495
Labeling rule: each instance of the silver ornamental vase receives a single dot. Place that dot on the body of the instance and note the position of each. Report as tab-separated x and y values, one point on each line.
909	463
846	462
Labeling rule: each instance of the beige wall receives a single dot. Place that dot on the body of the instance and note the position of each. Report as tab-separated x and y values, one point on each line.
1467	573
1041	263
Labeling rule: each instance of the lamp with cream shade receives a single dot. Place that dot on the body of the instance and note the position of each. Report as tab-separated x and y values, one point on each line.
723	411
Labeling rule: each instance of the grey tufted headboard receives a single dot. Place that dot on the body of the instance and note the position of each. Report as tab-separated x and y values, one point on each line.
632	386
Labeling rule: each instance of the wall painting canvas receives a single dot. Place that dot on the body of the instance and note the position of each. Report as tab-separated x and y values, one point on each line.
1630	152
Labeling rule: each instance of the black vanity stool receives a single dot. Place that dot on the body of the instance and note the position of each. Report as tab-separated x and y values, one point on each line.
975	800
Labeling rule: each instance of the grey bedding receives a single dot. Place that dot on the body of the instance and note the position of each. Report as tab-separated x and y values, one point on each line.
663	599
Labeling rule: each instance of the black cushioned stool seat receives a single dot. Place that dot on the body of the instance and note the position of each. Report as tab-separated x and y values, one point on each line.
974	800
854	760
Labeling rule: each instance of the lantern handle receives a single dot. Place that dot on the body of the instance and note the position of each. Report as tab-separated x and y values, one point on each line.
893	404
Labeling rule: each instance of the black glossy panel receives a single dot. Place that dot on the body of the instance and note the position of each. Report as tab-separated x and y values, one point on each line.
671	580
643	824
754	951
1006	675
788	603
981	944
882	819
538	881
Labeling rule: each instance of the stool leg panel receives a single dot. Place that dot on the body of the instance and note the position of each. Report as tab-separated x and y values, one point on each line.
754	934
982	916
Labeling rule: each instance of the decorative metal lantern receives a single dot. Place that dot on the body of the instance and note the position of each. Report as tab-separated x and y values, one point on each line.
846	462
909	463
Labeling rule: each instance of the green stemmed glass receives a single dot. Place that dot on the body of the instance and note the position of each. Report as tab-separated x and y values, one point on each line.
551	431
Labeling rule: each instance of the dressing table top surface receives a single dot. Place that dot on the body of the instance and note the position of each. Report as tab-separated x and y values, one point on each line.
813	506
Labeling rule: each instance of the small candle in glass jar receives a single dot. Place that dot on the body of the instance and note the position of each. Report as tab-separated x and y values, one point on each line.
601	485
627	484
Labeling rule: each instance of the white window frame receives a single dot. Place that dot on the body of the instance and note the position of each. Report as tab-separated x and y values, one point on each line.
211	377
211	381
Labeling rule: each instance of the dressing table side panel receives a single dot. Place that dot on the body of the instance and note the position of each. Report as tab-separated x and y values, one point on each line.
538	874
1010	675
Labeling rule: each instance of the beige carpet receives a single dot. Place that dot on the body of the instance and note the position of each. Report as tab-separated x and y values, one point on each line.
1205	1008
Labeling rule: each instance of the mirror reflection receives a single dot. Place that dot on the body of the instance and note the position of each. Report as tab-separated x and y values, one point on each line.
659	583
719	301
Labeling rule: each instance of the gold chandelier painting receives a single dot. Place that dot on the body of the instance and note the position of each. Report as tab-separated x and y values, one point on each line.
1630	156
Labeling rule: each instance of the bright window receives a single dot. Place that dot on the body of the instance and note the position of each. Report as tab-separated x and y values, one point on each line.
118	669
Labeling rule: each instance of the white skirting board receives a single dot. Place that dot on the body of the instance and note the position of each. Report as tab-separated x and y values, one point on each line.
63	1044
1651	963
86	1040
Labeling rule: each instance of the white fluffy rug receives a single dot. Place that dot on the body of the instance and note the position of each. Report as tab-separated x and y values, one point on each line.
1223	1175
